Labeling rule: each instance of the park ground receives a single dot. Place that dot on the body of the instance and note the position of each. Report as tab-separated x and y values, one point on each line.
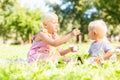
11	69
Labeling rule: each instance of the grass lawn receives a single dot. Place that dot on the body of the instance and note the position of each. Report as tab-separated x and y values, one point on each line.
20	51
51	71
13	51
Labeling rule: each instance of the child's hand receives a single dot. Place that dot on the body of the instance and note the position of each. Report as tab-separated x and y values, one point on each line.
75	32
118	47
98	60
74	48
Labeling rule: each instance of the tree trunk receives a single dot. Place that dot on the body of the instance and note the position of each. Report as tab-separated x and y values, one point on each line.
30	39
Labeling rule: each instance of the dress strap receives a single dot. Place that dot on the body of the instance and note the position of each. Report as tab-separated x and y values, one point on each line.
34	37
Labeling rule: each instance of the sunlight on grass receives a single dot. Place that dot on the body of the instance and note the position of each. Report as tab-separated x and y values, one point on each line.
13	51
54	71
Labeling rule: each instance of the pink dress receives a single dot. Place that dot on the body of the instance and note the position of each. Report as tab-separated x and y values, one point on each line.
38	50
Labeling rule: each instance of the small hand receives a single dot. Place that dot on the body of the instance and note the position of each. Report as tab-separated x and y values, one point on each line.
74	48
76	32
118	47
98	60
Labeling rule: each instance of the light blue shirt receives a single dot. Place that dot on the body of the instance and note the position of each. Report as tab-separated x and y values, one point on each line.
100	48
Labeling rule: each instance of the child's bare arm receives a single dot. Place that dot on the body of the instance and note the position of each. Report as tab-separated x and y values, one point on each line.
118	47
63	52
108	55
59	41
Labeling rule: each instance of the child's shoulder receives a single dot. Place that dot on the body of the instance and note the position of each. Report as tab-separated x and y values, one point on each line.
106	41
93	42
37	37
103	41
42	32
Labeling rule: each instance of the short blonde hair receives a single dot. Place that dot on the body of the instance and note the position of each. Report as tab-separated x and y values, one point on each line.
48	16
98	24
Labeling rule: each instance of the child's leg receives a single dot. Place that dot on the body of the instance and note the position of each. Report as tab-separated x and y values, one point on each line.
70	60
42	57
90	60
53	58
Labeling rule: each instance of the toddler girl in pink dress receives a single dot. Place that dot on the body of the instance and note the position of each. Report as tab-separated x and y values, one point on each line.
42	41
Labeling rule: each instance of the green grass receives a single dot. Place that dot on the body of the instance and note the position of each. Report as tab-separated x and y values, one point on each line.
13	51
53	71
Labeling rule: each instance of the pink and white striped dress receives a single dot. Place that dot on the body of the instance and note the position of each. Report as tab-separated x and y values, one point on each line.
38	50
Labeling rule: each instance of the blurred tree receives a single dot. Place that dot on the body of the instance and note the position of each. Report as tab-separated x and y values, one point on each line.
25	23
72	14
17	20
110	12
5	6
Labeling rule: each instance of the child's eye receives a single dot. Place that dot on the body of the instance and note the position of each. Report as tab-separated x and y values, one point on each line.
55	22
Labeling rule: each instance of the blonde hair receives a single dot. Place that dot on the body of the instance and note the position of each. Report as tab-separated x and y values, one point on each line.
98	24
48	16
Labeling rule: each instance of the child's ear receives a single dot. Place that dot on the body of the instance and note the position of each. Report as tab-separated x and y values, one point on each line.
95	32
44	24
